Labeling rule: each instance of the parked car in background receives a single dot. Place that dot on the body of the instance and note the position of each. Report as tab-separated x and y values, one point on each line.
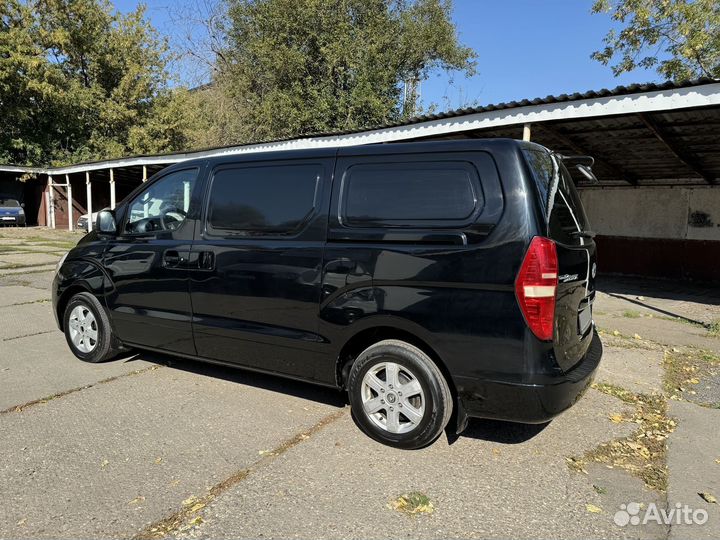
82	222
430	281
11	211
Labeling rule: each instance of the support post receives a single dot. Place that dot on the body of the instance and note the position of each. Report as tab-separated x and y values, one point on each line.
51	203
88	191
68	186
526	132
144	178
112	189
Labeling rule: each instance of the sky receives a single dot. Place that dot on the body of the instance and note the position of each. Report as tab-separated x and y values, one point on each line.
526	49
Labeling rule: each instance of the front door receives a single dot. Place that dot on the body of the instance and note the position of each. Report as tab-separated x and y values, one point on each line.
256	291
149	299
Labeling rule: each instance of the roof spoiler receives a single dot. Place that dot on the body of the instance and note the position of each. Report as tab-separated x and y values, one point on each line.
583	164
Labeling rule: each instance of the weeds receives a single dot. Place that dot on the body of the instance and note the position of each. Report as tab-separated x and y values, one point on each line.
644	452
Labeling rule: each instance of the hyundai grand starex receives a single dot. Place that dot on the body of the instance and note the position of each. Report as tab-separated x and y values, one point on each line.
431	281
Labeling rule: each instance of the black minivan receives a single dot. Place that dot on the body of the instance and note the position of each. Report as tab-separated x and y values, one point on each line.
431	281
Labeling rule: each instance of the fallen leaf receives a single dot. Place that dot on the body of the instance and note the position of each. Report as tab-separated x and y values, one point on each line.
717	461
637	336
496	451
197	521
137	500
694	381
615	333
190	501
593	509
616	418
104	463
158	461
198	506
21	522
709	497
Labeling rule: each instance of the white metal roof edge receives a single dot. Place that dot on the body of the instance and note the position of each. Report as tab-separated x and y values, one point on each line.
658	100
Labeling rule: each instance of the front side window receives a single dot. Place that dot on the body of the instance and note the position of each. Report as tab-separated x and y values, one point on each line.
164	205
263	200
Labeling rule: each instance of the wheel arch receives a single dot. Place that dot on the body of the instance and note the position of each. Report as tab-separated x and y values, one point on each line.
65	297
366	337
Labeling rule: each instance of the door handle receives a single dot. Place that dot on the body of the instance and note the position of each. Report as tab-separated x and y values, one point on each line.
173	258
341	266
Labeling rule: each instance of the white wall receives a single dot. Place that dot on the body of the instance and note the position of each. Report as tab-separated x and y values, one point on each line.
654	212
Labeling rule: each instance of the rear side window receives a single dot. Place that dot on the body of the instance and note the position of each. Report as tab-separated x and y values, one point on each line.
558	193
410	194
263	200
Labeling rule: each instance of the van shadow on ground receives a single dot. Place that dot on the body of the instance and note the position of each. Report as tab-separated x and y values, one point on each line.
487	430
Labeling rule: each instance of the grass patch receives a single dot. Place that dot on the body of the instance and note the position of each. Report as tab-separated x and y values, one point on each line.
685	370
631	314
644	452
412	503
714	328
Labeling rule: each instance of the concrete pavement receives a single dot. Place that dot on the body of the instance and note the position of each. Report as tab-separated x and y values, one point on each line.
150	446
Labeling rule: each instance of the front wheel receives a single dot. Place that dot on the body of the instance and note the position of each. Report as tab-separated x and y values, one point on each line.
398	395
87	329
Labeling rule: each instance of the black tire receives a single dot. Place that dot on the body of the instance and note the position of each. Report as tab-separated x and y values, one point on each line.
106	345
435	399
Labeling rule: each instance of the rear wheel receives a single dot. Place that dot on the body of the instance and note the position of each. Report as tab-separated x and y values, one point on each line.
87	329
398	395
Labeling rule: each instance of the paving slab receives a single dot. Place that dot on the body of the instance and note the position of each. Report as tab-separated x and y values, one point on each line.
692	453
109	460
668	333
25	320
16	294
637	370
40	366
498	480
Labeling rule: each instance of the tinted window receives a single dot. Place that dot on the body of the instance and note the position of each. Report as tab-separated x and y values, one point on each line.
567	215
263	200
163	205
398	193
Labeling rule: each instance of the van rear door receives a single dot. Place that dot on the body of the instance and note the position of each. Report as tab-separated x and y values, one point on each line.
567	224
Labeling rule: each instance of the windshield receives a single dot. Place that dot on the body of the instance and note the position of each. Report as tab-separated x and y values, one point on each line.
9	203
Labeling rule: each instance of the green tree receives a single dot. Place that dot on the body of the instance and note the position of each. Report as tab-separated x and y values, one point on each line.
295	67
685	33
79	81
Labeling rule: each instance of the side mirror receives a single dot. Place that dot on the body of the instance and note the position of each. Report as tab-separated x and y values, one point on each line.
22	205
106	222
587	172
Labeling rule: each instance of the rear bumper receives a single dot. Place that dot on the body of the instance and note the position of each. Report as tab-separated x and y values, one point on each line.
530	403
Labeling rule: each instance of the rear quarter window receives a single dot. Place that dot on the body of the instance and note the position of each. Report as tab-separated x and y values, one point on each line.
560	200
410	194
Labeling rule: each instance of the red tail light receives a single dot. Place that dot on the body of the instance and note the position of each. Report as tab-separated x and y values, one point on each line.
536	286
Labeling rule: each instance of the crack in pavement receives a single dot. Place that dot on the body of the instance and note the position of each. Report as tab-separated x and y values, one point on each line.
22	407
187	516
28	335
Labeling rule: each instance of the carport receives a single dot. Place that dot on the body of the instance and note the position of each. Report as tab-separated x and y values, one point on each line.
655	209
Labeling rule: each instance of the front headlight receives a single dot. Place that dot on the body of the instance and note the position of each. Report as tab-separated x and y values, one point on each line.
60	262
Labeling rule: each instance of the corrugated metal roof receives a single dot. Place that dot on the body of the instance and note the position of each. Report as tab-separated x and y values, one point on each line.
556	112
